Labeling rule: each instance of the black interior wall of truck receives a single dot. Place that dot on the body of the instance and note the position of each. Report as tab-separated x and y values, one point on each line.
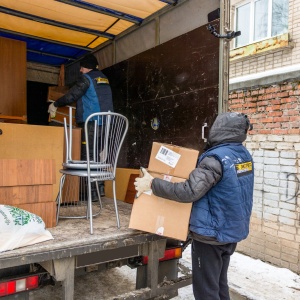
37	105
167	93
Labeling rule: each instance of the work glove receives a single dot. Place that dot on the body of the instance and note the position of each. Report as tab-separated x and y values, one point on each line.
143	184
52	110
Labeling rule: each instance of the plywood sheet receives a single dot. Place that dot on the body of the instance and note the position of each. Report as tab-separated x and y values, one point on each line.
45	210
13	195
22	141
122	181
13	77
54	93
16	172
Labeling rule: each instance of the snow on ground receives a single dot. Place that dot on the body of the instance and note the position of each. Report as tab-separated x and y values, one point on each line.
262	281
251	278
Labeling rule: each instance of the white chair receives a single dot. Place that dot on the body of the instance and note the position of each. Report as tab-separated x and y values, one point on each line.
108	131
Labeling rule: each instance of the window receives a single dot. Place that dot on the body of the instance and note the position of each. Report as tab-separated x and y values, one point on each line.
260	19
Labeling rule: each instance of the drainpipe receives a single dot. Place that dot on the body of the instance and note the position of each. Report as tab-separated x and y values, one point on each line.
224	56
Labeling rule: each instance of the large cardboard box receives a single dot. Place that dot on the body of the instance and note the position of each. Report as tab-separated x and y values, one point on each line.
172	160
158	215
161	216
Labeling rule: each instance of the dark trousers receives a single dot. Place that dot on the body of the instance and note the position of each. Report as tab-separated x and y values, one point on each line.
210	265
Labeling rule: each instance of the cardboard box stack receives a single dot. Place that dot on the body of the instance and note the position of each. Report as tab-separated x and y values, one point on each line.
158	215
28	184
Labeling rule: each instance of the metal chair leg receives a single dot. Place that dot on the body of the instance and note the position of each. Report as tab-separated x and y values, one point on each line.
98	194
116	205
59	196
90	208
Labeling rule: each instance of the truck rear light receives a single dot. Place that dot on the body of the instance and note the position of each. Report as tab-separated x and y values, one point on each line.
169	254
18	285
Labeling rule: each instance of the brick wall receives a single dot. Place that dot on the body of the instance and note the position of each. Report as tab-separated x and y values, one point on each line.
274	143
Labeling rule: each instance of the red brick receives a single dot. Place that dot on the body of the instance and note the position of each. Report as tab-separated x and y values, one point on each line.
282	94
295	118
267	120
272	125
273	107
293	131
279	131
286	87
249	111
275	114
281	119
275	102
262	103
254	93
265	131
288	100
234	106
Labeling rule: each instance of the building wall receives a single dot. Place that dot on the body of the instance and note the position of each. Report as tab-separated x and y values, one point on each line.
265	85
274	143
274	53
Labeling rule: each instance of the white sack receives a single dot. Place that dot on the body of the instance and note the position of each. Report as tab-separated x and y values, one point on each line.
19	228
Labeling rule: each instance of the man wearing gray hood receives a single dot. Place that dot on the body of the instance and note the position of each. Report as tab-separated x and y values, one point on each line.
221	189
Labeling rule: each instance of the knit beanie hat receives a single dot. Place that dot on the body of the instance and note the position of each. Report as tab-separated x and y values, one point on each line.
89	62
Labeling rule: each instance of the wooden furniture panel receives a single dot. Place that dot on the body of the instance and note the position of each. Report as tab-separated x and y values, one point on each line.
22	141
45	210
131	192
16	172
13	70
14	195
122	183
73	182
54	93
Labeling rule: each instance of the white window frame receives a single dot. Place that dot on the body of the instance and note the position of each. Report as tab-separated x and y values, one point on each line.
251	31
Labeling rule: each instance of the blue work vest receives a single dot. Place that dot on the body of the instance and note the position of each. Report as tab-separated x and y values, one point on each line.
98	97
224	211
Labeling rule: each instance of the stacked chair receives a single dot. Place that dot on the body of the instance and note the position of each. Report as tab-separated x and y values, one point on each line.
107	130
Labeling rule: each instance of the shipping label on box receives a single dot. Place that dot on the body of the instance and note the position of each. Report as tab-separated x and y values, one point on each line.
172	160
167	156
161	216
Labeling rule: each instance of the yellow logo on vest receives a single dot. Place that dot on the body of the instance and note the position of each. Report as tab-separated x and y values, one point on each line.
244	168
101	80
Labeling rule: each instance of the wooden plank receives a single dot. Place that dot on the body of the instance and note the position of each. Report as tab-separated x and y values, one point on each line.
45	210
23	141
13	70
73	182
131	192
15	172
13	195
122	180
23	118
55	92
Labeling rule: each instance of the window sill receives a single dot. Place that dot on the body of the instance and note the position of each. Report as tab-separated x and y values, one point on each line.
269	45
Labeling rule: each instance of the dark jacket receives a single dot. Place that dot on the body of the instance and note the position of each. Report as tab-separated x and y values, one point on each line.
224	211
91	92
209	176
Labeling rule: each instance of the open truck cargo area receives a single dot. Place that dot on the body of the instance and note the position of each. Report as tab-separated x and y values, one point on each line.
75	249
169	76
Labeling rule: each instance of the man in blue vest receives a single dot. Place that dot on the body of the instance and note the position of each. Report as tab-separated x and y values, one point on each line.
221	189
92	93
